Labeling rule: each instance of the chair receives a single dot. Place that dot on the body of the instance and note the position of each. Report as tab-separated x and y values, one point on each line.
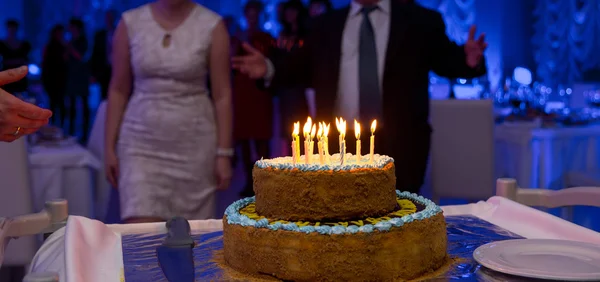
576	196
96	147
462	153
16	198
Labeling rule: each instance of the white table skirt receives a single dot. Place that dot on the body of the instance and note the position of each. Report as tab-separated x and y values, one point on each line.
66	172
88	250
541	157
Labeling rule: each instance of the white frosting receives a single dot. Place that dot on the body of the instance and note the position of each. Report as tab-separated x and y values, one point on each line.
350	162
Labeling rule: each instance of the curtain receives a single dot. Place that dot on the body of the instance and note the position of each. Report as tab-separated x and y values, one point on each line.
566	34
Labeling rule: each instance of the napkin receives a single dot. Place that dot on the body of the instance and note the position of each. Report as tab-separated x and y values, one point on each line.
4	225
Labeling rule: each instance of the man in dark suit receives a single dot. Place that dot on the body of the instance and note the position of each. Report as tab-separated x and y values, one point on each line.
101	54
376	69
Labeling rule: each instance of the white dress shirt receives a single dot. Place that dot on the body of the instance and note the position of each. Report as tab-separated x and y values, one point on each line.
348	96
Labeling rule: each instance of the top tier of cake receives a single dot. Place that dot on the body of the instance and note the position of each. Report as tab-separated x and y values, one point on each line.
315	192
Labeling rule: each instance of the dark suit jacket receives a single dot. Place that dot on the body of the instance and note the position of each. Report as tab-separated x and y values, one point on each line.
417	44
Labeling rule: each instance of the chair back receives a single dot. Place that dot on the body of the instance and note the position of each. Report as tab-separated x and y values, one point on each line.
535	197
96	147
462	153
16	198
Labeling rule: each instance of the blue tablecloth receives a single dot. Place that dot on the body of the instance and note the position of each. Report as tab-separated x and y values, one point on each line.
465	234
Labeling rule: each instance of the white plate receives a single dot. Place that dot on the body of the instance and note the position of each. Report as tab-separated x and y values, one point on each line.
545	259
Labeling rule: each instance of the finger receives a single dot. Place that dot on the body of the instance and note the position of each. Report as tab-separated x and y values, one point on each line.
15	120
484	46
111	177
8	137
12	75
481	38
248	48
31	111
11	130
238	60
472	31
237	66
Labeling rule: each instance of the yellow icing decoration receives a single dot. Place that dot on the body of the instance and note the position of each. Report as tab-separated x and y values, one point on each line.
406	207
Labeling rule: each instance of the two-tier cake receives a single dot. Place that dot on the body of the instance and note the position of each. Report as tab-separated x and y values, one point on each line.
325	222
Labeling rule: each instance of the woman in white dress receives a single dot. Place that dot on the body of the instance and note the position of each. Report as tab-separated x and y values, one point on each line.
168	144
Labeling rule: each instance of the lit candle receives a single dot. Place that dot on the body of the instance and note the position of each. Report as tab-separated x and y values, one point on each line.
297	148
341	125
306	131
320	143
313	132
295	157
326	142
373	126
357	135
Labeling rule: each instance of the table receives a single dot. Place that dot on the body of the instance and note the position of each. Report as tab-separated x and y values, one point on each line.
65	172
541	157
88	250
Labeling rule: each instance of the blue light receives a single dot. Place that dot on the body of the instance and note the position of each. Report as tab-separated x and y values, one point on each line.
268	26
34	69
462	81
522	76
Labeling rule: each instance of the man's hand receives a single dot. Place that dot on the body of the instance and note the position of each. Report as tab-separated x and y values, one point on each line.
474	48
253	64
18	118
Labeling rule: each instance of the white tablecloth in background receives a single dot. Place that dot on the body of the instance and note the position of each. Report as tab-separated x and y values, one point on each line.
88	250
65	172
541	157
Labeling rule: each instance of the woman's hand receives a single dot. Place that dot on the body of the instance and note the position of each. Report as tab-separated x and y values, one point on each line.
17	117
111	168
223	172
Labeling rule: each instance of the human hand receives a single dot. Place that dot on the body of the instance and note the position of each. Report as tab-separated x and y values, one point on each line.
223	172
253	64
111	168
474	48
17	117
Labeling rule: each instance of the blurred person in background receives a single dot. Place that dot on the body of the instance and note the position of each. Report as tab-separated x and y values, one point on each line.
168	145
371	60
319	7
100	64
78	77
17	117
253	106
293	105
14	53
54	73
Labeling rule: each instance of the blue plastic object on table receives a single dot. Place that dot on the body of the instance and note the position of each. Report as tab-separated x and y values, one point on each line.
465	234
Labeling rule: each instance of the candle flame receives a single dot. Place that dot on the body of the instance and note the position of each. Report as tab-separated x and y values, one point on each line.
357	129
296	129
313	131
326	129
321	130
341	126
373	126
307	126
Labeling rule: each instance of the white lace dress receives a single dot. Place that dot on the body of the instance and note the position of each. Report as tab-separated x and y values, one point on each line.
167	140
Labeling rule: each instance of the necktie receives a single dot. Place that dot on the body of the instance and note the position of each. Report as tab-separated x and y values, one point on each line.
368	77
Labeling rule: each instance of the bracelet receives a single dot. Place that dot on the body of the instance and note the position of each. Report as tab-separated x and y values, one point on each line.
225	152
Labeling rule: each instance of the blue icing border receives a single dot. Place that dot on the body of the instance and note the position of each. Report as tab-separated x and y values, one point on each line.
380	161
234	217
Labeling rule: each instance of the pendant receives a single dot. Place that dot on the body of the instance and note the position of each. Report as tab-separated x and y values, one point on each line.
166	41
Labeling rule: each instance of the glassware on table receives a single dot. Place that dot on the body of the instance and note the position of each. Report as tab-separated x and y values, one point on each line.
592	98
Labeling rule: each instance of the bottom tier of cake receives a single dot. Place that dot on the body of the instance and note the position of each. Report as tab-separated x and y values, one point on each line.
386	249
